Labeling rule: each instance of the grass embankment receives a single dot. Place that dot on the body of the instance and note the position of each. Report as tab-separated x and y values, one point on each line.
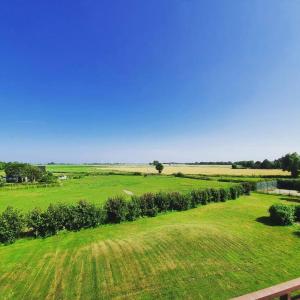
97	189
211	252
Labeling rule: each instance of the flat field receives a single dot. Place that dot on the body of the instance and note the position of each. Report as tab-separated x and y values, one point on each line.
97	189
204	170
212	252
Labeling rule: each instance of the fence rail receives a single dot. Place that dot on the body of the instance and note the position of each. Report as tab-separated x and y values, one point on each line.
266	185
282	290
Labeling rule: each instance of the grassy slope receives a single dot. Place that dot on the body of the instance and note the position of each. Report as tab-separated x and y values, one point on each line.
212	252
97	189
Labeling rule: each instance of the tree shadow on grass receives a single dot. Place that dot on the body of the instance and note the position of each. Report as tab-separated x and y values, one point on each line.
291	199
265	220
297	233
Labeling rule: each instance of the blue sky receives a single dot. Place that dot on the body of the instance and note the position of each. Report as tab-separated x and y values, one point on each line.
133	81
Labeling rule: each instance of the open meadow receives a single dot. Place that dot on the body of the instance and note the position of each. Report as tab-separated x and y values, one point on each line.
212	252
97	189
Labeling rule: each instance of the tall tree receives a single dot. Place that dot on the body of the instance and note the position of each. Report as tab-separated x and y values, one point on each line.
159	167
291	162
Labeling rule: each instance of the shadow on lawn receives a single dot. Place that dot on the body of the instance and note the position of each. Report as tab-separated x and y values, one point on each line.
297	233
265	220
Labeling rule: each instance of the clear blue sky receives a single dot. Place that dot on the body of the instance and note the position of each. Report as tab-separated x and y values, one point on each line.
133	81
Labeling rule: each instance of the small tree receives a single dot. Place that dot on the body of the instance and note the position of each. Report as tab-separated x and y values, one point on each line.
159	167
291	163
11	225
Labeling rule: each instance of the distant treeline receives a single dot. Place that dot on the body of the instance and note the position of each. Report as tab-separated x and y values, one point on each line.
265	164
216	163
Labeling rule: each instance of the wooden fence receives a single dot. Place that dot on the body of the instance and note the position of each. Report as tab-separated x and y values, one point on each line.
280	291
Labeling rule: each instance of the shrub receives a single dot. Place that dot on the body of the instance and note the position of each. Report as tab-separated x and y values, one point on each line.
196	197
233	192
281	214
215	195
289	184
116	209
178	174
247	188
53	219
82	215
224	195
11	225
162	201
148	205
204	197
180	201
134	209
297	213
35	222
48	178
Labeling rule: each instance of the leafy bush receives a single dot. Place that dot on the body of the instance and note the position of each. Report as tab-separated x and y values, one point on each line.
134	209
162	201
48	178
233	192
247	188
297	213
11	225
204	198
180	201
196	197
35	222
215	195
289	184
281	214
224	195
148	205
82	215
116	209
178	174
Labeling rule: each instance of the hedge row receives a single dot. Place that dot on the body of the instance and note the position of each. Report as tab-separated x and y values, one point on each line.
58	217
282	214
289	184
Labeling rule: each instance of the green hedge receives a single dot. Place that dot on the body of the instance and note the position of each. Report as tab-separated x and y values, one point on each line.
289	184
115	210
281	214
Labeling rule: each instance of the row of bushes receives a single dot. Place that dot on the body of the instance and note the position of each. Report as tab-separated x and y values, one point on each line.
281	214
58	217
289	184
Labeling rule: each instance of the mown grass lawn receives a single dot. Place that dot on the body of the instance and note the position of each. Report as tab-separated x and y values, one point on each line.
97	189
212	252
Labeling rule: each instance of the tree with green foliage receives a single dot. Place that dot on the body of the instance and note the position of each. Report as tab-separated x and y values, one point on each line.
2	165
266	164
291	162
11	225
21	172
159	167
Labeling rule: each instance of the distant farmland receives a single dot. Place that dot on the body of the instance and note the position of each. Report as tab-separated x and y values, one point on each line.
203	169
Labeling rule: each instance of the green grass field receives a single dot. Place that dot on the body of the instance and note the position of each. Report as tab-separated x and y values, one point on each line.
213	252
97	189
